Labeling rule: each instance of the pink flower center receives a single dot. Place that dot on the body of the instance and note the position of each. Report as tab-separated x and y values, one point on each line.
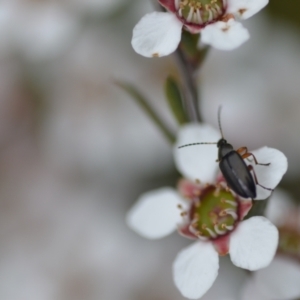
200	12
212	214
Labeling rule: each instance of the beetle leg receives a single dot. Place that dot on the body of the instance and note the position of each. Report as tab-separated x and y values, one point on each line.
247	154
241	151
250	168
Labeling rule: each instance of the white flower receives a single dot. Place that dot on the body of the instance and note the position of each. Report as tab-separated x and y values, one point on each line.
280	280
158	33
209	213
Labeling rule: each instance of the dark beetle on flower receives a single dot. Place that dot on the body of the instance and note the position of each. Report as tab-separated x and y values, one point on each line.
233	167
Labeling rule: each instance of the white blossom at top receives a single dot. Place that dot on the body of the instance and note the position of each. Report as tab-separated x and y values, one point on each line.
158	33
251	244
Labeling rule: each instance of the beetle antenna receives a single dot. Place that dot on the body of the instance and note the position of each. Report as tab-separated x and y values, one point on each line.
194	144
219	120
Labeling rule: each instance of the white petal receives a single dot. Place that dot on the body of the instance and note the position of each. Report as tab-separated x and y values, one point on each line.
195	269
253	244
245	9
228	282
156	34
156	213
197	162
280	280
268	176
225	35
279	207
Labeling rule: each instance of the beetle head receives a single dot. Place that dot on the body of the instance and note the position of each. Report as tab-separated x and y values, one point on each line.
221	142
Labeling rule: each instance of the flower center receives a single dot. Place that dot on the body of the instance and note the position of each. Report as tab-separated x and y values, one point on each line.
214	214
200	11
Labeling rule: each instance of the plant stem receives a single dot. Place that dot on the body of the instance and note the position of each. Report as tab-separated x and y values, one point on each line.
189	86
186	70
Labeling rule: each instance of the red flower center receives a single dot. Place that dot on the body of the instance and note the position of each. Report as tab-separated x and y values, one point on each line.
200	12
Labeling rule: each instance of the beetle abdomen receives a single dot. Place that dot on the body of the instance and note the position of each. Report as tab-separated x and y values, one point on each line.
237	175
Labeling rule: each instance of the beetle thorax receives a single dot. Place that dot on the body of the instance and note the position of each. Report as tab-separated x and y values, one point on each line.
200	11
224	148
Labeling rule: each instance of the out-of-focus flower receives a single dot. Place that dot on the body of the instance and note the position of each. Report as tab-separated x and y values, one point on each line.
209	213
99	7
280	280
159	33
38	30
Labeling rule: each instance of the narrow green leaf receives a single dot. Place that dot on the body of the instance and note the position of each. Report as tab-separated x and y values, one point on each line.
174	98
144	104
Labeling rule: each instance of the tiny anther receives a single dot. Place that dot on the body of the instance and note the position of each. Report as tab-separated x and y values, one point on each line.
179	206
198	204
184	213
194	225
155	55
242	11
222	213
204	226
197	181
227	17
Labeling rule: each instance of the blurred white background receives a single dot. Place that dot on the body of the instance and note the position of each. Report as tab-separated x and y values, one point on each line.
76	151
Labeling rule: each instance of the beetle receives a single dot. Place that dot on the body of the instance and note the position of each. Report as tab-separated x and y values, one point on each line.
233	167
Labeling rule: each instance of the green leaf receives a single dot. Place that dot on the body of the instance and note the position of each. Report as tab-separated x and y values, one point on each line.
144	104
175	101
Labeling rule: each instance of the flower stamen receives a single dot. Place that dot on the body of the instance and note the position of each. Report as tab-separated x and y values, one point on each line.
218	231
200	12
232	213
